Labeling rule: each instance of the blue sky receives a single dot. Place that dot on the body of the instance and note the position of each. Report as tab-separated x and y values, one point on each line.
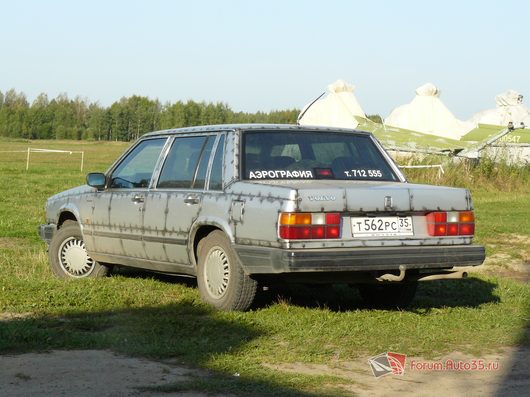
265	55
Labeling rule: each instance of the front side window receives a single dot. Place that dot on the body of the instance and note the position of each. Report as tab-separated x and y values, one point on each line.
136	169
313	155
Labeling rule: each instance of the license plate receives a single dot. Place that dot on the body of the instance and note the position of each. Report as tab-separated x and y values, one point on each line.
382	226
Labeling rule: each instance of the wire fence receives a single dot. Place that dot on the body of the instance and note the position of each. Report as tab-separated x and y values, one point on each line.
29	151
439	166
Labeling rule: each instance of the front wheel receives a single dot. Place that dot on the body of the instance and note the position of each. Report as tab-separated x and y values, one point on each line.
220	277
388	296
68	255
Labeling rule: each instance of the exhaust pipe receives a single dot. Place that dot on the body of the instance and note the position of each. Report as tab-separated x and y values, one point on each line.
444	275
393	277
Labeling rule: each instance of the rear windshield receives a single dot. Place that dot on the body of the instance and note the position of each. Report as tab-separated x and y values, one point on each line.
317	155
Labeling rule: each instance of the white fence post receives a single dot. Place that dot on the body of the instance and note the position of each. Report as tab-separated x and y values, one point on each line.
30	150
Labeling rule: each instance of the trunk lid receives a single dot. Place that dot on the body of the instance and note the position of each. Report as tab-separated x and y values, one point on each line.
369	197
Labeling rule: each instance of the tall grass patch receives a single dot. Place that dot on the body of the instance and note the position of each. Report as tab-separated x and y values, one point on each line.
488	174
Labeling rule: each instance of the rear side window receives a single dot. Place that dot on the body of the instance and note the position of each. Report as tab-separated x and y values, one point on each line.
313	155
216	175
180	168
200	179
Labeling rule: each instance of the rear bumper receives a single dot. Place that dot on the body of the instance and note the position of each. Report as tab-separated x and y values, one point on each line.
262	260
47	231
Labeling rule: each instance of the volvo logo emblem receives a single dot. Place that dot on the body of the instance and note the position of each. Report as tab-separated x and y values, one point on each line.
322	198
388	202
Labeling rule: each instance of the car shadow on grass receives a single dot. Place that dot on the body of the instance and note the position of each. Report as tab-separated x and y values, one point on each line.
130	272
470	292
184	334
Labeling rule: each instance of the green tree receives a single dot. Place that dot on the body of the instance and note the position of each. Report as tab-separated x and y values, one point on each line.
65	117
192	113
120	127
126	119
13	115
80	109
98	123
173	115
40	118
375	118
144	115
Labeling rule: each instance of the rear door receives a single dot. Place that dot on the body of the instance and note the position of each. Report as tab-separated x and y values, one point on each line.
177	198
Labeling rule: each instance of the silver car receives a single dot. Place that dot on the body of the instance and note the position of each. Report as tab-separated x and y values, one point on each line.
244	206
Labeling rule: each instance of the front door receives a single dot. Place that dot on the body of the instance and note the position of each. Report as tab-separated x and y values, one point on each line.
118	211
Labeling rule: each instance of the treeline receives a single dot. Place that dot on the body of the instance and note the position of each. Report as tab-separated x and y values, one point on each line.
124	120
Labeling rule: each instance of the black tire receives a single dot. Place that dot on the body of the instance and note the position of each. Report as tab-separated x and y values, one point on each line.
388	296
68	256
220	277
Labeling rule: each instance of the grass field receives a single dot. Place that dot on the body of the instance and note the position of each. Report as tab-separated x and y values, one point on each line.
485	131
402	138
160	317
407	139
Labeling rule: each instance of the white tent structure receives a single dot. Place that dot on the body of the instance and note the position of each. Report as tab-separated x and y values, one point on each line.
427	113
509	108
338	108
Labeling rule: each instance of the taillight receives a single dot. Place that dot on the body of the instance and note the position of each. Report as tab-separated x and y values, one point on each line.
451	223
309	226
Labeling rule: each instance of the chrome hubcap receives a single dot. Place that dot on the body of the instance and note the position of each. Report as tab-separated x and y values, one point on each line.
74	259
217	272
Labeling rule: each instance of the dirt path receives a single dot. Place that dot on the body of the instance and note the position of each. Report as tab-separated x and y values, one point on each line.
103	373
85	373
421	378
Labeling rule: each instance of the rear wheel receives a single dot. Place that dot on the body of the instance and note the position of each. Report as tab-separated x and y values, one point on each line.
220	277
68	255
388	296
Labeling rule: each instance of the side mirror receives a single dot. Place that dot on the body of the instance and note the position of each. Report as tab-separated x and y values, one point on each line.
97	180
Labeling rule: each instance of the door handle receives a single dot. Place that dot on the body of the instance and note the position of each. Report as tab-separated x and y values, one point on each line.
138	199
192	199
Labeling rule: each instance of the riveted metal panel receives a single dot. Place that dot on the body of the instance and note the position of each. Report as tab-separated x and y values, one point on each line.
429	198
167	224
262	204
374	197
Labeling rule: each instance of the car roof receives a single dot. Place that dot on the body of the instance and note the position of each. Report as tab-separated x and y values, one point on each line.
251	127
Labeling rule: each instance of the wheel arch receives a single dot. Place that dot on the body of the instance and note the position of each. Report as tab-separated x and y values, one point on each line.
68	212
64	216
200	231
